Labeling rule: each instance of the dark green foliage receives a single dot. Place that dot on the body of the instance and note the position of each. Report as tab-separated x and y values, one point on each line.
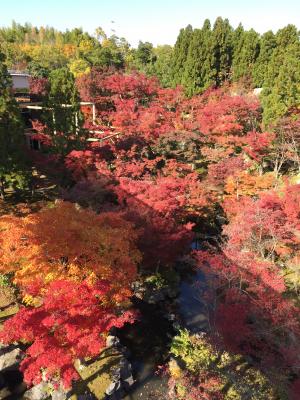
204	58
201	58
63	115
13	170
281	83
144	53
284	39
222	49
199	69
62	87
180	54
37	71
144	59
162	67
283	91
246	52
267	46
110	53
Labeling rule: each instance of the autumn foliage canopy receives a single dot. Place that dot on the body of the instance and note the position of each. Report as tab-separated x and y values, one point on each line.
160	170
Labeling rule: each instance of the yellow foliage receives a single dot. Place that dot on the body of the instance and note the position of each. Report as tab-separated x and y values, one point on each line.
79	67
29	300
106	43
66	242
292	273
181	391
216	370
295	180
86	45
174	369
247	184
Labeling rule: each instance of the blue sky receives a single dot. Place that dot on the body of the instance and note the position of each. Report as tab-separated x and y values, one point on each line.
157	21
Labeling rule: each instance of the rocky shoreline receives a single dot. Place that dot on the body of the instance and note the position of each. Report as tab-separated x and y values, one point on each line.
106	377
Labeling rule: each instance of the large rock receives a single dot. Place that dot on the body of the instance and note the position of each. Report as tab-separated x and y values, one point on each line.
109	375
7	297
126	374
112	341
98	373
59	394
38	392
154	295
10	357
113	388
44	391
5	393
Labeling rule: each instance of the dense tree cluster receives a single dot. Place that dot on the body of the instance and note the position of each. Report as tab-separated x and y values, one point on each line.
186	159
201	58
212	55
14	171
160	168
40	50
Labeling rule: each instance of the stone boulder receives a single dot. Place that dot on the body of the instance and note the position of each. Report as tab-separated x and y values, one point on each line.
10	357
38	392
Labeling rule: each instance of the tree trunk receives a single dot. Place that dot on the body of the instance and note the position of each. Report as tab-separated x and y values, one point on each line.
2	191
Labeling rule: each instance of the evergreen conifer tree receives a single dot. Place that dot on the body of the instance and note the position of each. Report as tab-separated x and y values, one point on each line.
276	99
267	46
285	91
14	171
245	55
222	43
198	73
180	53
65	119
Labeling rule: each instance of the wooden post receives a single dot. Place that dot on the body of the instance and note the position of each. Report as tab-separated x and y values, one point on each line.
2	192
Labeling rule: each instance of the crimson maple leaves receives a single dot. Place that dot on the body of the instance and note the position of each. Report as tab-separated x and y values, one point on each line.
71	322
74	270
162	167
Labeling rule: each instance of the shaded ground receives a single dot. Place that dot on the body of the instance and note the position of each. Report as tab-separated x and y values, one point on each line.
21	203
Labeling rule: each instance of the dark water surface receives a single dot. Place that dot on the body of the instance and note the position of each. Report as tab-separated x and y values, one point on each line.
149	339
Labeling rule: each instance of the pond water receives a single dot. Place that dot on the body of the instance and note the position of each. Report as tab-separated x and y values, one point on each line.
149	339
191	307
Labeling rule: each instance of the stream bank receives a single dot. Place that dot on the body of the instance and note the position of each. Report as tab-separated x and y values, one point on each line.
149	339
143	347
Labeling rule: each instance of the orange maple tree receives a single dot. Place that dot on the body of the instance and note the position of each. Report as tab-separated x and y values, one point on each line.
66	242
75	269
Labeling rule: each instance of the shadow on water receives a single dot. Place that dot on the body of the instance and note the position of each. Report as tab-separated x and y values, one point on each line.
192	309
149	339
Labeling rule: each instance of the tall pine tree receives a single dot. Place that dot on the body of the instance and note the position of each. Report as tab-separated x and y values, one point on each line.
14	171
285	59
199	72
267	46
222	43
180	53
245	55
